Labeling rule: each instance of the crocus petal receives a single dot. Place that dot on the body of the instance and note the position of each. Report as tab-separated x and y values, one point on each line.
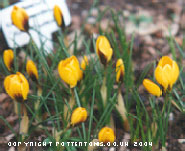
159	76
7	84
175	72
32	71
24	85
167	73
152	88
84	62
120	70
165	60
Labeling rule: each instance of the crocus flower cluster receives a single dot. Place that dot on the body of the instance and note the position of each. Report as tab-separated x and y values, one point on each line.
71	72
20	17
166	74
16	85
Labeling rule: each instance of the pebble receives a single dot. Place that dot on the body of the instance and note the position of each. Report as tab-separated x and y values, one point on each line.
112	149
94	12
171	117
91	20
11	149
84	14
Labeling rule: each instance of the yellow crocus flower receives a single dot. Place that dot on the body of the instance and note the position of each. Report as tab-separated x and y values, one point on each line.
79	115
84	63
166	72
69	71
120	70
32	71
58	15
20	18
8	57
106	135
103	49
17	86
152	88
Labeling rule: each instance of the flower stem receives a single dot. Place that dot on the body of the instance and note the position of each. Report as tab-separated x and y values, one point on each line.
104	92
165	118
39	93
24	122
79	105
71	104
15	107
122	110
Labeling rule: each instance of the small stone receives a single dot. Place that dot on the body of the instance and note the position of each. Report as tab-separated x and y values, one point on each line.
76	21
152	51
91	20
11	149
104	24
84	13
90	29
182	21
171	117
126	13
94	12
102	7
112	149
74	6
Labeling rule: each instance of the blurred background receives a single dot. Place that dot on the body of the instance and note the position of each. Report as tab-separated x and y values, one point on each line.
152	21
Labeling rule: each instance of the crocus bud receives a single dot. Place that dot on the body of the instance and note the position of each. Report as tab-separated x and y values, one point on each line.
167	72
106	135
17	87
8	57
58	16
69	71
103	49
84	62
79	115
120	70
152	88
20	18
31	69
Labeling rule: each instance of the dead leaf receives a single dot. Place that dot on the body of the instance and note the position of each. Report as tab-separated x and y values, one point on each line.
24	125
9	137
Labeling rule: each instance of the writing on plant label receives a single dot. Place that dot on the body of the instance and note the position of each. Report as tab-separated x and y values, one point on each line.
41	21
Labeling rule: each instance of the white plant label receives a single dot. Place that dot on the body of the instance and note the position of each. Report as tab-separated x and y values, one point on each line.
41	21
